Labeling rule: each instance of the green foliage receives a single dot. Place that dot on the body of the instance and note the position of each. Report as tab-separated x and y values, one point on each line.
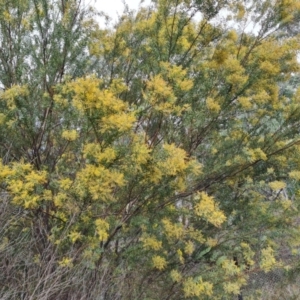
155	159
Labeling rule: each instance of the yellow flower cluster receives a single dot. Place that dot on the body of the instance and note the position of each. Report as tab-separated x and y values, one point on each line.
74	236
65	262
88	97
12	93
100	155
175	161
189	247
277	185
197	288
173	231
102	229
159	262
22	182
208	209
175	276
295	175
213	105
255	154
151	242
70	135
268	260
98	181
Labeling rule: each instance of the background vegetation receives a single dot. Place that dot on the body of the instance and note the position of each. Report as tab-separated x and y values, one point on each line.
157	158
